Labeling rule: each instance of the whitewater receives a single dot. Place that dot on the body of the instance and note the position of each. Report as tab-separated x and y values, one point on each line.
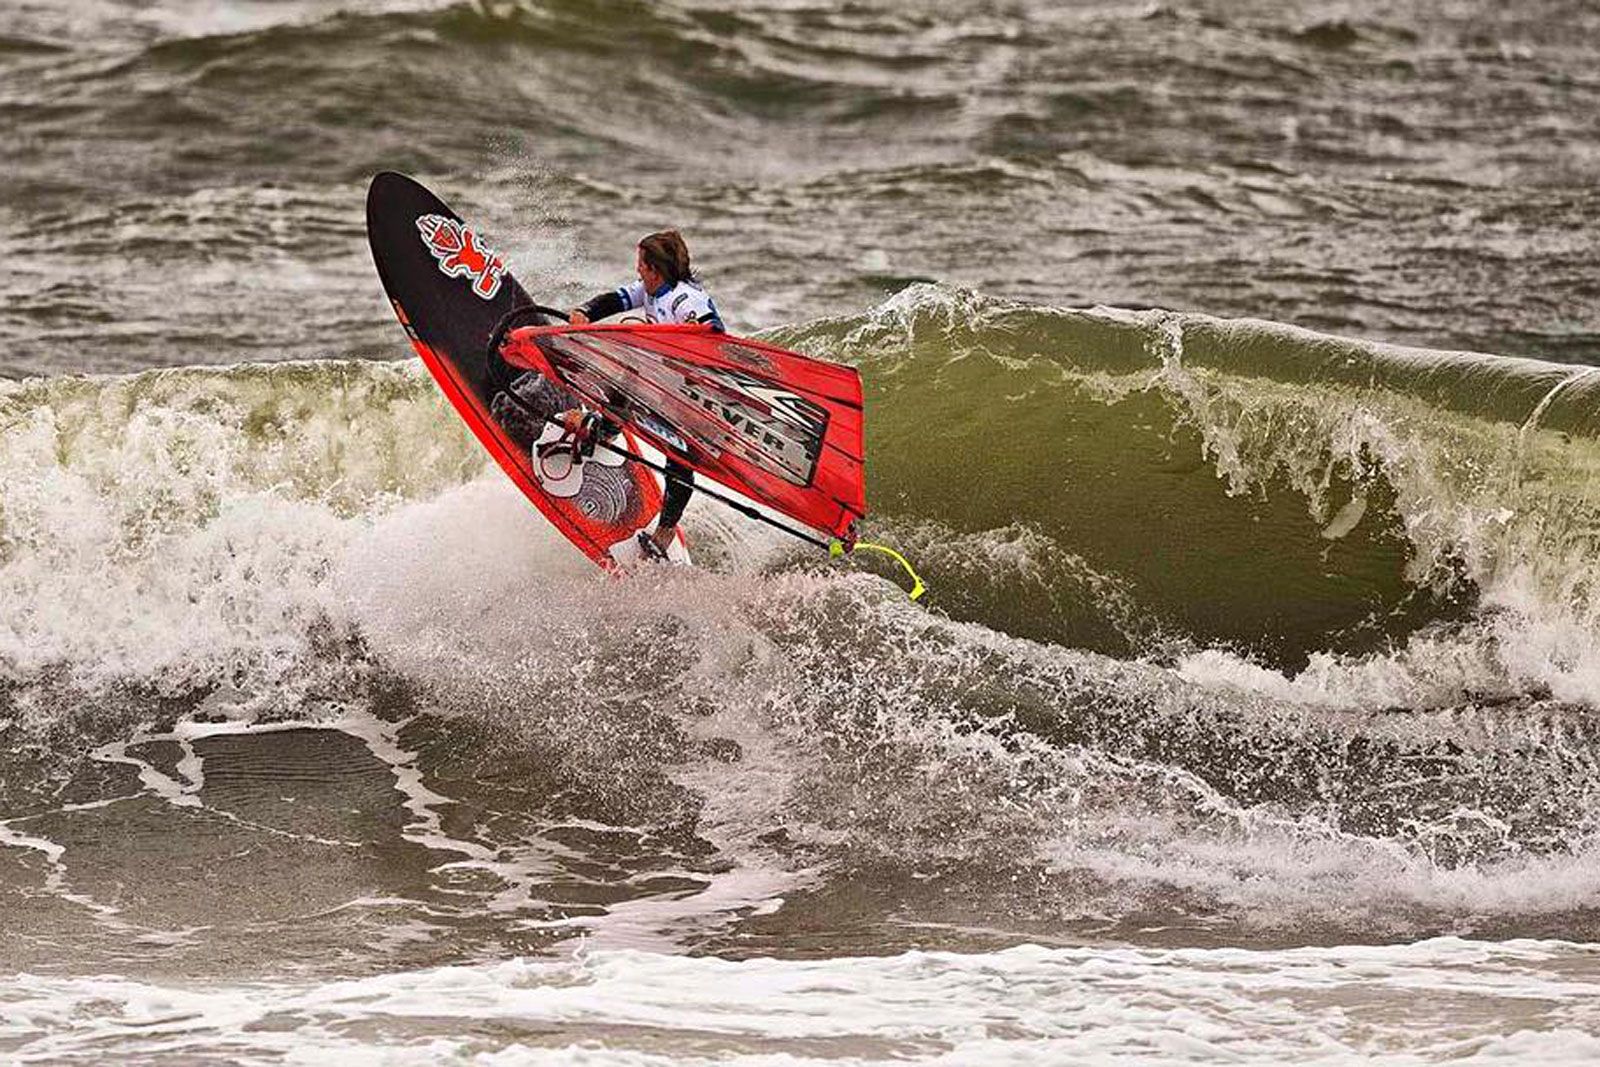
1244	419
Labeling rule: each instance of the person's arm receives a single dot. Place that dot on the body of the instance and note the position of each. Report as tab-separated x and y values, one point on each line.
622	298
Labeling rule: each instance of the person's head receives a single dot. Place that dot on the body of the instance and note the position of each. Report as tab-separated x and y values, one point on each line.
663	260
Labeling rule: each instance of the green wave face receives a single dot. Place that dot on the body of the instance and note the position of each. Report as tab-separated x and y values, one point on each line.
1121	480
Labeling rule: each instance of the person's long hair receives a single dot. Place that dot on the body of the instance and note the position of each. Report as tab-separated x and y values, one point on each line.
667	255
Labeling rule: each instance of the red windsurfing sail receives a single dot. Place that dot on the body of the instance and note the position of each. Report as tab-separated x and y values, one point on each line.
783	429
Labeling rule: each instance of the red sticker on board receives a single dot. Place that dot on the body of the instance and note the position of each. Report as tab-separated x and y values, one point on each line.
462	253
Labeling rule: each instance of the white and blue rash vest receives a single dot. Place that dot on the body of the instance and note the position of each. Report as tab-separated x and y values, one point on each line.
684	301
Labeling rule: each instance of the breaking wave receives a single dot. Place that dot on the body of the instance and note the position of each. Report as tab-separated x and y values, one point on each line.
1231	623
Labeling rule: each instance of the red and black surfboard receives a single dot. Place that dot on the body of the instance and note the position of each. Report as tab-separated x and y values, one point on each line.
451	291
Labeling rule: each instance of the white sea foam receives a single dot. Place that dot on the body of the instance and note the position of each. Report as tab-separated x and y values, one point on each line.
1445	1000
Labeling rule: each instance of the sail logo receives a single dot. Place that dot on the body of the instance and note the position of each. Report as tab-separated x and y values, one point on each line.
462	253
786	430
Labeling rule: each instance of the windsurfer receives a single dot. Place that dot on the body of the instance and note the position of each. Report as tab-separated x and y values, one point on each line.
667	291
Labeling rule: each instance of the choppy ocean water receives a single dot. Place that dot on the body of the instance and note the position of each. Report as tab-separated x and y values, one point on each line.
1230	374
